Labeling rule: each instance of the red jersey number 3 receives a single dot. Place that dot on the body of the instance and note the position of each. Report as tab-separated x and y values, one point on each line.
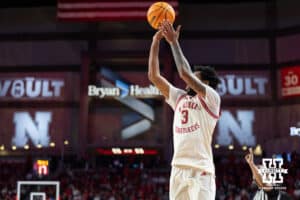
184	116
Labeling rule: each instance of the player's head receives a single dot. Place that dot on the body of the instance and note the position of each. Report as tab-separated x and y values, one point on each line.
207	75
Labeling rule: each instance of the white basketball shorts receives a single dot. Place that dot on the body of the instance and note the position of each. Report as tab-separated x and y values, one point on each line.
191	184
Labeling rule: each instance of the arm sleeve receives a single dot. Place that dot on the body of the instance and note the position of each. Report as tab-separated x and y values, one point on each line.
174	95
212	100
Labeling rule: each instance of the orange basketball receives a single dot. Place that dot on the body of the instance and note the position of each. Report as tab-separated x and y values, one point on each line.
159	11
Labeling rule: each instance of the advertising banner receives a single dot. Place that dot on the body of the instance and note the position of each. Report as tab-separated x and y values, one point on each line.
39	86
290	81
37	126
241	85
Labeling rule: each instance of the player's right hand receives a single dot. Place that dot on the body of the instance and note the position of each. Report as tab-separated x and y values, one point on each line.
249	156
170	34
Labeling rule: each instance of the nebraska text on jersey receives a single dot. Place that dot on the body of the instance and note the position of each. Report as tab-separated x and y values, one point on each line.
189	129
187	104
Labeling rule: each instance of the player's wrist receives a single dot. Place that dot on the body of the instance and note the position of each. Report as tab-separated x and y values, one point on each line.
173	41
156	40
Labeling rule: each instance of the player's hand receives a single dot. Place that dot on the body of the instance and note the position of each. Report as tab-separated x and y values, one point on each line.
249	156
158	36
170	34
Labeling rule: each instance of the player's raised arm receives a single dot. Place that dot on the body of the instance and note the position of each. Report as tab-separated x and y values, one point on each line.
182	64
153	66
255	172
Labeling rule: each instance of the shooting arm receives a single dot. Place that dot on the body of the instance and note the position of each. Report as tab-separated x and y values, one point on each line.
185	71
153	69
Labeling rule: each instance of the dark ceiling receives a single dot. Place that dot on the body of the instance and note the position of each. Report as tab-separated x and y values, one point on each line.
38	3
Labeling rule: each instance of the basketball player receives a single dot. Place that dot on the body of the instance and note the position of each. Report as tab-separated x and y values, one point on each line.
196	112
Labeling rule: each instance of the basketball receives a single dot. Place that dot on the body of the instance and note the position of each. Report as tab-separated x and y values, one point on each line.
159	11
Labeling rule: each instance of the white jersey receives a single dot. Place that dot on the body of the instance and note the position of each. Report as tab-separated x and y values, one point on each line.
195	118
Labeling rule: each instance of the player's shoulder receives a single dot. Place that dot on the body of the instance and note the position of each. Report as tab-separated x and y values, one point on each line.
177	90
175	94
212	93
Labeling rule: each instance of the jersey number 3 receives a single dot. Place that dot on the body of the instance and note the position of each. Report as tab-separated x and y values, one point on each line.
184	116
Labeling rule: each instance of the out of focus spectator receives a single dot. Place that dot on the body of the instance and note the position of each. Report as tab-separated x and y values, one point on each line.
142	178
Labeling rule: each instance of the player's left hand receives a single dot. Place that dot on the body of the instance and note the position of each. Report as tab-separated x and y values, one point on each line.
169	32
158	36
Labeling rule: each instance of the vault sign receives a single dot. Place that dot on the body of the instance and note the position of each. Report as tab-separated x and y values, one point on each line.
245	85
30	88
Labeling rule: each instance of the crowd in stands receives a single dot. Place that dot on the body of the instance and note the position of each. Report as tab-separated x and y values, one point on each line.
139	178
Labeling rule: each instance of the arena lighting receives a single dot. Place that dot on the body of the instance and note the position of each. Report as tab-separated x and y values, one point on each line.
26	147
14	148
127	151
116	151
52	144
231	147
139	150
66	142
258	150
2	148
217	146
244	148
39	146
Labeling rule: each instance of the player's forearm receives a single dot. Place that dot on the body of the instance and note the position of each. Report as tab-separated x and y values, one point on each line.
181	62
256	174
154	72
153	63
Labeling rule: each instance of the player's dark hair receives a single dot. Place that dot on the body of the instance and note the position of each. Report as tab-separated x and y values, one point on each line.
209	74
